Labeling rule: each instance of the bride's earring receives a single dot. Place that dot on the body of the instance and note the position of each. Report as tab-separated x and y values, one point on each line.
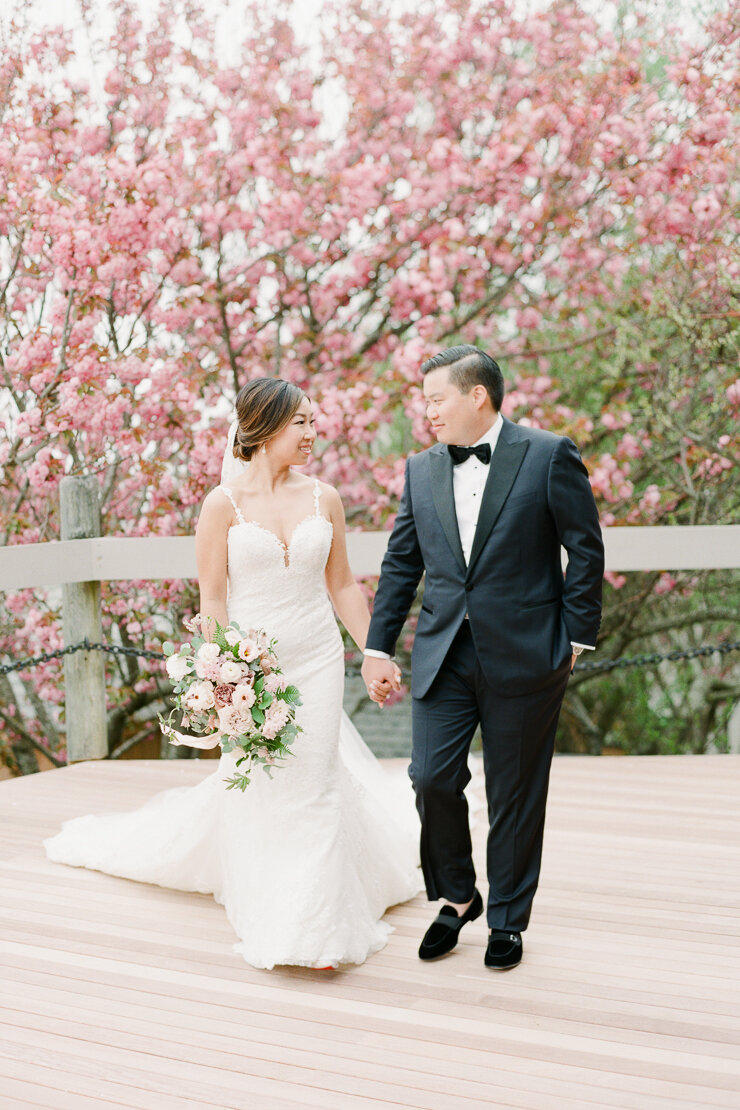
263	448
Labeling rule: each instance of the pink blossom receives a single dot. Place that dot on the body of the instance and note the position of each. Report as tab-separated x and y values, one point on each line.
616	581
707	207
146	283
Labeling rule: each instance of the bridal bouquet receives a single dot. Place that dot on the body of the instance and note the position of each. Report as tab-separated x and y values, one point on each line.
231	691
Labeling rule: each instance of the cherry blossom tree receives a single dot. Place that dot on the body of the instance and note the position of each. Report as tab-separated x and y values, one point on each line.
559	193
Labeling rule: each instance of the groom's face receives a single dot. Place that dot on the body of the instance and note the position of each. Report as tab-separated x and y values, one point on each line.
454	416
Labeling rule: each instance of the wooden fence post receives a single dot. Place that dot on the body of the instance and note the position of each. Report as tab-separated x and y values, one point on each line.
84	671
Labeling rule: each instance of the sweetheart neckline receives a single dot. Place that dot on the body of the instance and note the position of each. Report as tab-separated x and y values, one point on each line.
268	531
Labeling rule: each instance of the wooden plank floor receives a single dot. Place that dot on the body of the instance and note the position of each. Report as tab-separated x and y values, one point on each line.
116	994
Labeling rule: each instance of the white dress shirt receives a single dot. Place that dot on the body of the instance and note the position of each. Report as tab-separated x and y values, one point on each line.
468	482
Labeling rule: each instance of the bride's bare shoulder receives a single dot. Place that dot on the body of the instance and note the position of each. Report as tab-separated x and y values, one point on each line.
216	506
330	497
308	481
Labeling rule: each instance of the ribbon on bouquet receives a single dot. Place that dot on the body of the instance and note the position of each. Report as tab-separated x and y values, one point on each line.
180	739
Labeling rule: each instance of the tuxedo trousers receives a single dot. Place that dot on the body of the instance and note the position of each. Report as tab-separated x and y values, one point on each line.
518	736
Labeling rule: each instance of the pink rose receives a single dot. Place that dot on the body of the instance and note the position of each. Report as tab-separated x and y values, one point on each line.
222	695
276	717
275	683
210	672
241	722
270	729
225	717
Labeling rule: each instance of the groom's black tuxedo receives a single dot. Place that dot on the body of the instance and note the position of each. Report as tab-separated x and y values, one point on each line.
506	665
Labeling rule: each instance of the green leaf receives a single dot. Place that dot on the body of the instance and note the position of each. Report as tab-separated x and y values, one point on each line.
258	716
292	695
259	686
168	647
237	782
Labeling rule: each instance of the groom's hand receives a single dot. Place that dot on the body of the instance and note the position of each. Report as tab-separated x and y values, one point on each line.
380	677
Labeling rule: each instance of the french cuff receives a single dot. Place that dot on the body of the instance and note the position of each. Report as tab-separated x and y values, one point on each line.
373	654
578	648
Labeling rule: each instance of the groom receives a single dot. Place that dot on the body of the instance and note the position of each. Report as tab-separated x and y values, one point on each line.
483	515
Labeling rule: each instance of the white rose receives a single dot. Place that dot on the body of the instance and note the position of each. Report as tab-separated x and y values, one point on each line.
177	667
231	671
209	652
232	636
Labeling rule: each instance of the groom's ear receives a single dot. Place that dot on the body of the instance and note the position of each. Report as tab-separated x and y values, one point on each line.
480	396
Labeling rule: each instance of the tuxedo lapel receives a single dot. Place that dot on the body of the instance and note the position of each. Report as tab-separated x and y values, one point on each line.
440	473
505	463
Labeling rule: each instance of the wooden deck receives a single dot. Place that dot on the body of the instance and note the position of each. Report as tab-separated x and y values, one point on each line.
118	994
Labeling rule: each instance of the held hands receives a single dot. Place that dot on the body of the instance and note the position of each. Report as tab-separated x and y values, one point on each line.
380	677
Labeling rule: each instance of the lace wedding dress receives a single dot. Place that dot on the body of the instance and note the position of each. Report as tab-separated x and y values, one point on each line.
305	862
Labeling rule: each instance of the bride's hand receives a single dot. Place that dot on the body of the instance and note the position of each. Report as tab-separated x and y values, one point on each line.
380	676
379	691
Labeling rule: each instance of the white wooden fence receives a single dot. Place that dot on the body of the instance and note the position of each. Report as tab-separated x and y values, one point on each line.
83	559
107	558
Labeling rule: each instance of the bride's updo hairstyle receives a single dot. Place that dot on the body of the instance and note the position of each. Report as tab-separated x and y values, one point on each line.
264	407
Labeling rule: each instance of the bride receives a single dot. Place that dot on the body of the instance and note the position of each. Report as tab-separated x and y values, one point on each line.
306	862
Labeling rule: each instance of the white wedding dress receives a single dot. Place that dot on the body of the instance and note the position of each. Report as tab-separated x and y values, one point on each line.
305	862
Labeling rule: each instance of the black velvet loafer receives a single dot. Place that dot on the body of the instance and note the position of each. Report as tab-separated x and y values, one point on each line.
441	936
504	950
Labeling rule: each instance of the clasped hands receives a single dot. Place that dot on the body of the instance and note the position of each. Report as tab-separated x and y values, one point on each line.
381	676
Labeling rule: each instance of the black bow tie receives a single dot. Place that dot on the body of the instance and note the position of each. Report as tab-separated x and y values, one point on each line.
460	454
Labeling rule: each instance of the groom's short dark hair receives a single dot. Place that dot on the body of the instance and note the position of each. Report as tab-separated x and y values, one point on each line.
469	366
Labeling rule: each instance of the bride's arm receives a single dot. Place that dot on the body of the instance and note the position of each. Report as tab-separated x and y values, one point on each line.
211	554
347	597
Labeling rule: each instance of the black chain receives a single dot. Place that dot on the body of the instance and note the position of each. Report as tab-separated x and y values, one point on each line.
653	658
84	645
596	667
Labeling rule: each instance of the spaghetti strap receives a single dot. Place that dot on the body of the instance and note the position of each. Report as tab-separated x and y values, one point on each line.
237	510
316	496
